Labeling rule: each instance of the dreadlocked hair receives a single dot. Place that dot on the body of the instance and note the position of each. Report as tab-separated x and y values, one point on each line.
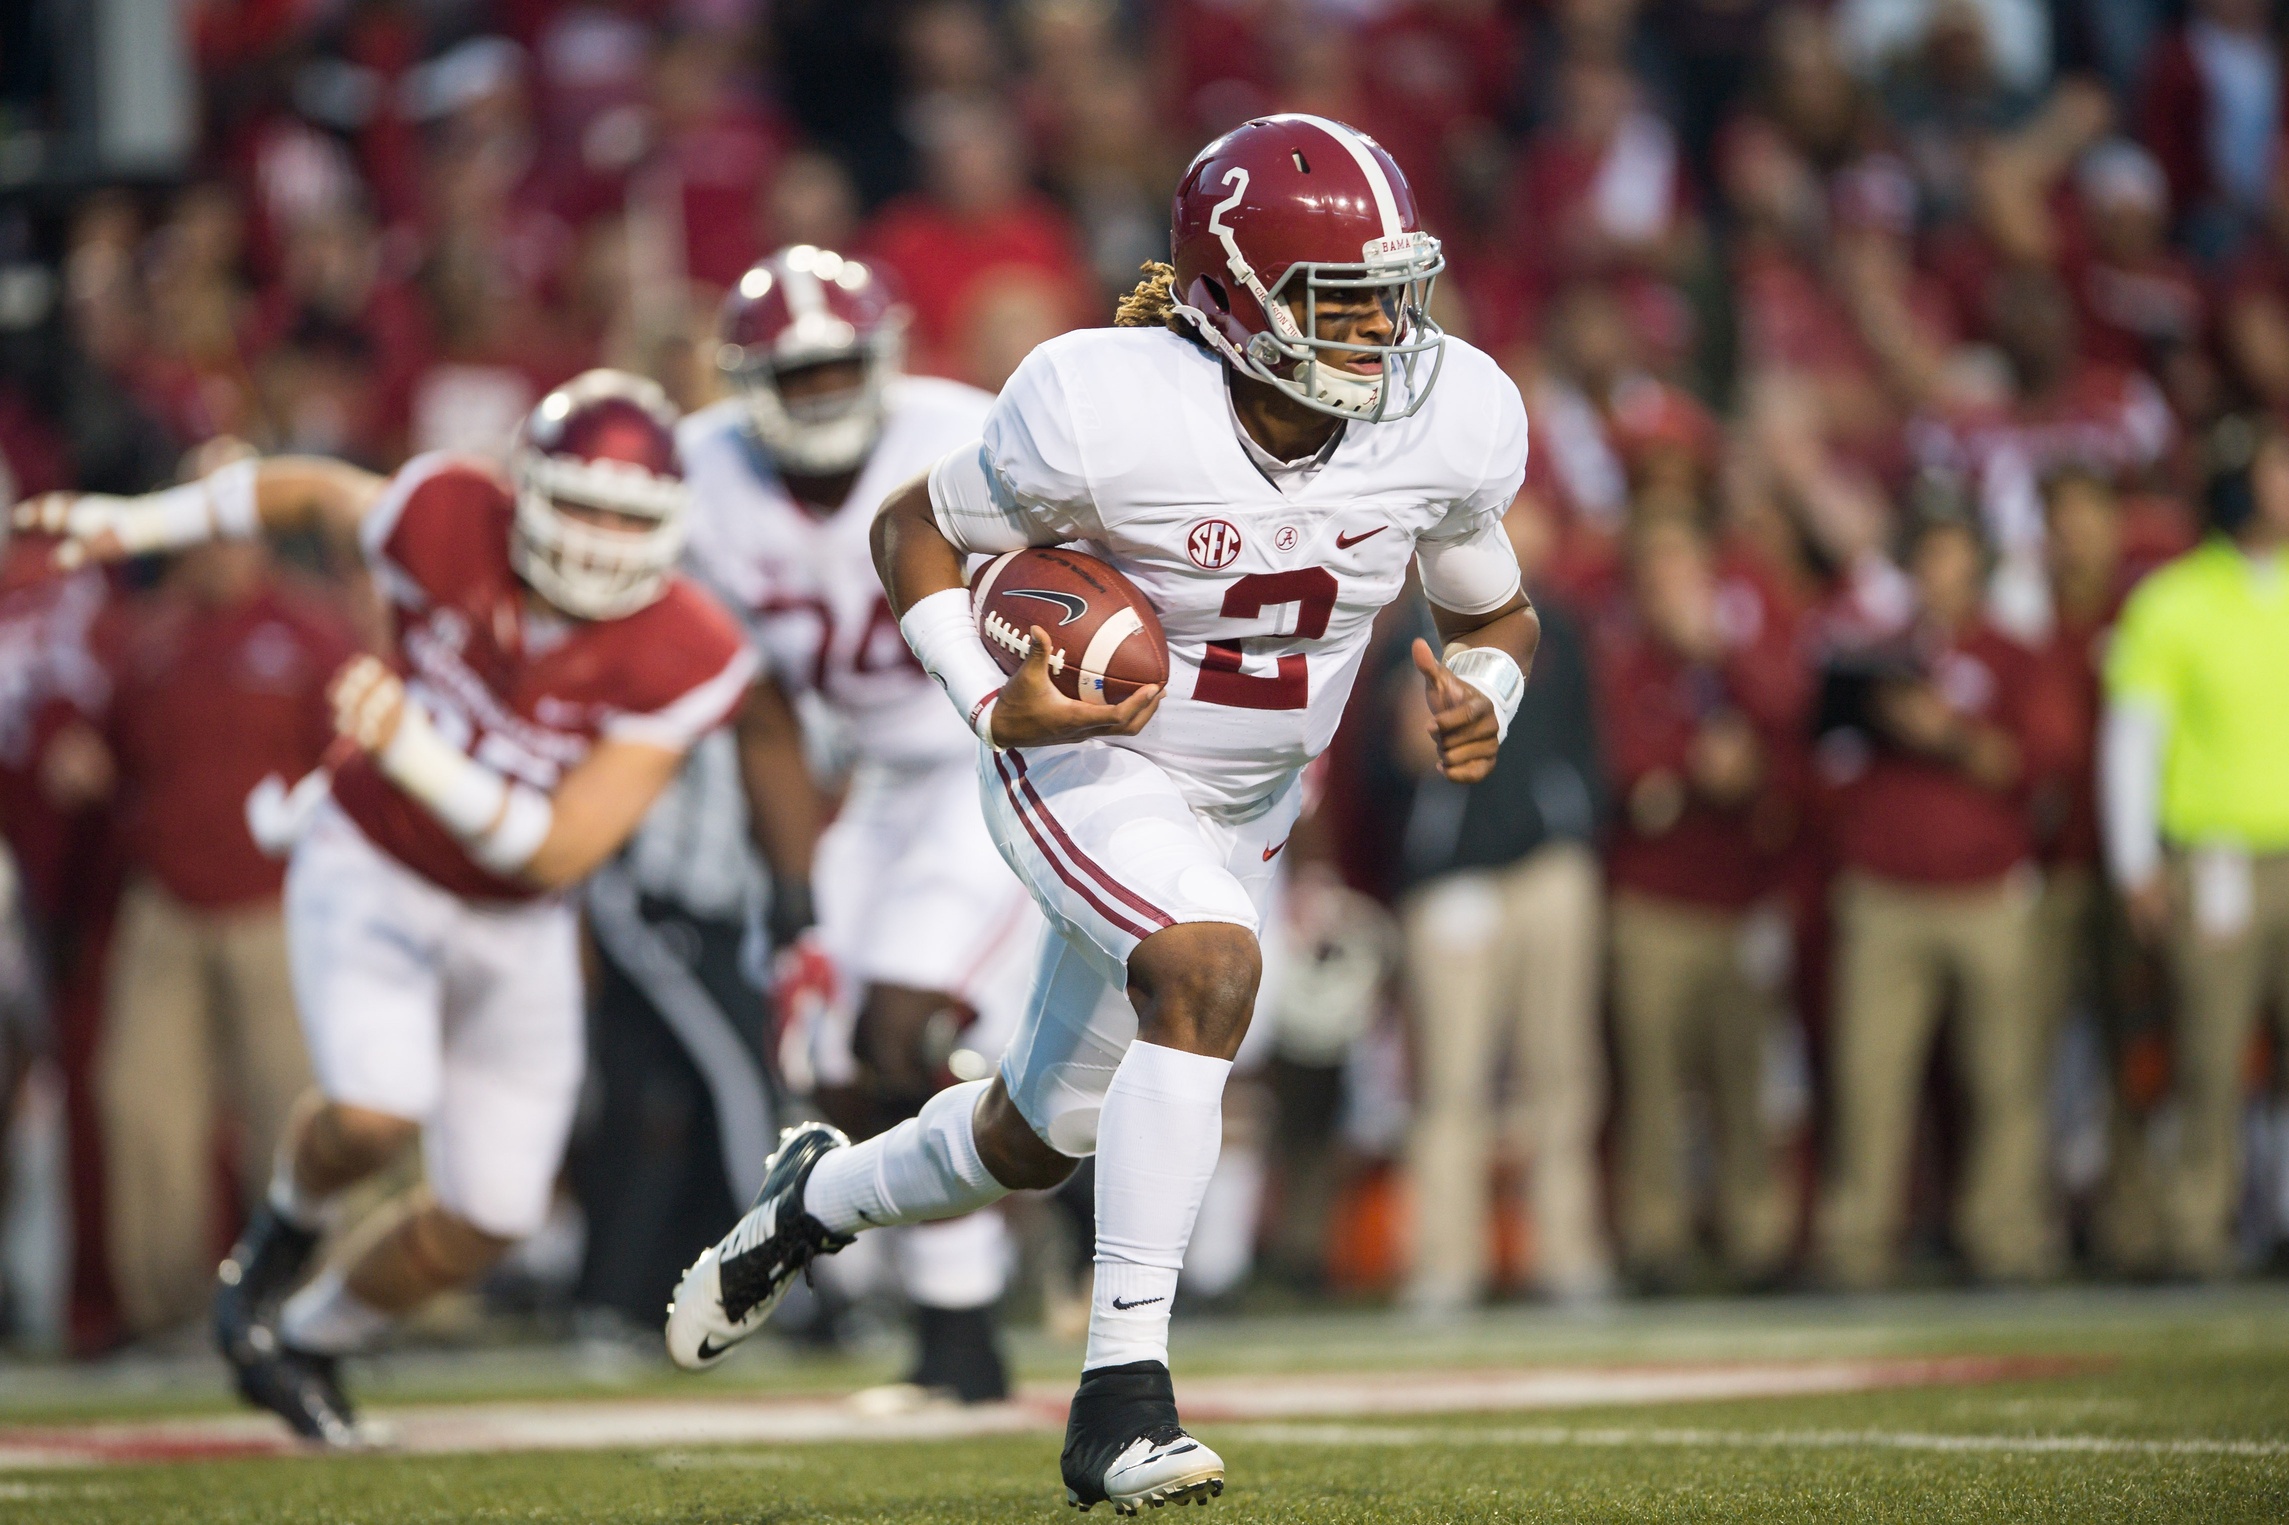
1152	303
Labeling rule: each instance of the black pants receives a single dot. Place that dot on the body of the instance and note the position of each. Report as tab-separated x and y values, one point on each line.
679	1115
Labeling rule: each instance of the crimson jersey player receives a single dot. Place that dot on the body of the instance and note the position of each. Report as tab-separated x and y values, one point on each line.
550	671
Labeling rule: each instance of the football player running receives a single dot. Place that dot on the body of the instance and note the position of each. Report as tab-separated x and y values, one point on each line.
922	934
1274	435
550	672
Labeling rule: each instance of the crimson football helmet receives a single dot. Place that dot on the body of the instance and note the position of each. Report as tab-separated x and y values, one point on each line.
603	440
801	307
1282	211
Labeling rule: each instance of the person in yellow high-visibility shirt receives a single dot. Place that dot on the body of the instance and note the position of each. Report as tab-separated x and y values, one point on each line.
2194	790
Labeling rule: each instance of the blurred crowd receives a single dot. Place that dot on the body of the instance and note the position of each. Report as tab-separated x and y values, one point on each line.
1871	351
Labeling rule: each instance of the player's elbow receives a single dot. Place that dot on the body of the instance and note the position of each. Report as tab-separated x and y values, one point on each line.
902	512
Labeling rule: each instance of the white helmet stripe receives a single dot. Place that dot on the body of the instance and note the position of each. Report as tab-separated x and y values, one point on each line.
1378	183
805	295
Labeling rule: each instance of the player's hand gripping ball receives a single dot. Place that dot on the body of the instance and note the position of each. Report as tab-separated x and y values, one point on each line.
368	702
1082	645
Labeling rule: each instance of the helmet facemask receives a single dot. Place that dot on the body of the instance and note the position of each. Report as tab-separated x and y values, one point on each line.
819	436
587	570
1291	356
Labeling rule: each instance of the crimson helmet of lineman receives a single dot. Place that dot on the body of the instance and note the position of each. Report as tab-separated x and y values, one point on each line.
605	440
1283	213
802	307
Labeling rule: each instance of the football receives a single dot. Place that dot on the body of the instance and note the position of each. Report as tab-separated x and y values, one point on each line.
1105	636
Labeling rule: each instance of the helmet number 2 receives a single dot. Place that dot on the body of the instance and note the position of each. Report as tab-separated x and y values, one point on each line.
1311	590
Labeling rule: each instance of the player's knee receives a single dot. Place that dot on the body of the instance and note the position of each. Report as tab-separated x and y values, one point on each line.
1195	986
1011	1151
450	1248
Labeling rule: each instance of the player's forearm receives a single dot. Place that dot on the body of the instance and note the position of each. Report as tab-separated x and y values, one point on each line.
1492	652
596	809
784	810
1515	630
912	555
294	493
925	579
240	501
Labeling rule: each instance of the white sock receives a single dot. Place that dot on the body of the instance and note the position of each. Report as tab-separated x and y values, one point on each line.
924	1169
1157	1139
301	1209
328	1319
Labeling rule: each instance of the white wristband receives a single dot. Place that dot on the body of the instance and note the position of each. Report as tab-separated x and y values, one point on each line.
231	500
944	636
468	798
1492	672
220	506
526	818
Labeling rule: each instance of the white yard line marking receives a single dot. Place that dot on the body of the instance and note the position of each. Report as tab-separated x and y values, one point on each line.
663	1424
1783	1440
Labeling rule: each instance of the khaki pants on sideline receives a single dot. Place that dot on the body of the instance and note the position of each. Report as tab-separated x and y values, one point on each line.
1686	1008
2081	953
2220	978
1502	969
198	1011
1900	950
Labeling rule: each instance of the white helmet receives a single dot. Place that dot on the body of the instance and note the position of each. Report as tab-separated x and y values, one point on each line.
801	307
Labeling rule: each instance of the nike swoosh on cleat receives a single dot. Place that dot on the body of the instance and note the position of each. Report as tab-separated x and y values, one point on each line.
1346	542
1139	1303
709	1350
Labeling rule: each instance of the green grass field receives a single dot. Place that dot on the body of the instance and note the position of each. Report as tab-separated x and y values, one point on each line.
2178	1410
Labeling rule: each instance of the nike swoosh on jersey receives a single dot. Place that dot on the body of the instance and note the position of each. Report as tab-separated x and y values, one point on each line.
1073	604
1346	542
1273	851
1139	1303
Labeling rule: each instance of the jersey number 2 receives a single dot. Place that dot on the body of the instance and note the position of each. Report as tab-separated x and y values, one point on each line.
1312	591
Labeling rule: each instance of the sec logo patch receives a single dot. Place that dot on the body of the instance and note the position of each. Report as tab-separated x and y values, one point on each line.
1213	544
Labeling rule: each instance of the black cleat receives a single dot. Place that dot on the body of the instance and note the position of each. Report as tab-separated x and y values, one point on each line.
961	1354
305	1390
732	1288
1123	1444
268	1259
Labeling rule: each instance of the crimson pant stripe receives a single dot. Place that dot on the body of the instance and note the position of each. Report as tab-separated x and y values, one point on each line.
1009	787
1089	866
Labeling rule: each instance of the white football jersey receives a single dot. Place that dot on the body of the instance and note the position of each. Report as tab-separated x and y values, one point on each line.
804	583
1123	440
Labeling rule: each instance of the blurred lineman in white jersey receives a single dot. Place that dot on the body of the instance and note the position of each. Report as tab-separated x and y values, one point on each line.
924	942
1274	435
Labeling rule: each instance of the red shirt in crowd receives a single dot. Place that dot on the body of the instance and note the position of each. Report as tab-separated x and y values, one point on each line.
527	692
1903	816
206	700
942	260
1654	702
2131	313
